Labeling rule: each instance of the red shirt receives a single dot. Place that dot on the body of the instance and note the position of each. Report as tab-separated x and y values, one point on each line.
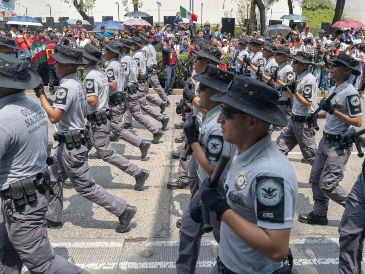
50	49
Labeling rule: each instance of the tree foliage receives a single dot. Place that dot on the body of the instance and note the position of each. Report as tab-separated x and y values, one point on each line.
136	4
82	6
314	4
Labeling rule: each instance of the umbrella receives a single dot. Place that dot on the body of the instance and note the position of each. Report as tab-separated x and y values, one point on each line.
73	22
6	10
24	21
137	22
137	13
352	24
110	25
294	17
275	29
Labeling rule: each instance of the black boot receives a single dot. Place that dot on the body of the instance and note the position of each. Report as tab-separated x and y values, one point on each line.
180	184
163	107
144	147
156	137
179	126
126	218
141	179
54	225
128	125
165	122
313	219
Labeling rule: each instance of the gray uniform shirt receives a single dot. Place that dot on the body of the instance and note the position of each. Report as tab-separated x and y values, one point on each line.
70	97
151	56
256	59
242	54
270	66
130	69
96	84
141	62
23	138
212	140
262	187
115	74
349	99
285	70
306	86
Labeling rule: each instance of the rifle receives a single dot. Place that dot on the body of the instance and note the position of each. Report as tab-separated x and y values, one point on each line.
350	137
312	119
259	73
213	183
187	148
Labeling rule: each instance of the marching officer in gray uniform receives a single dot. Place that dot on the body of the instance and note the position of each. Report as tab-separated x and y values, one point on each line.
207	145
116	77
70	157
132	104
257	210
97	96
8	45
303	93
153	80
242	56
24	180
343	111
142	78
256	57
268	66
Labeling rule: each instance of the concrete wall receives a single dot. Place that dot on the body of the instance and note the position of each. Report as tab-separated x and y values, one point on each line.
213	10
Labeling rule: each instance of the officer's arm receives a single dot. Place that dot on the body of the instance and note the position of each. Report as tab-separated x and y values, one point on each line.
92	100
112	85
301	99
240	60
202	160
272	243
255	68
354	121
266	78
54	114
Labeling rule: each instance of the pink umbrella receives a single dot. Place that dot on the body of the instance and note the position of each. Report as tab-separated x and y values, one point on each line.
136	22
351	24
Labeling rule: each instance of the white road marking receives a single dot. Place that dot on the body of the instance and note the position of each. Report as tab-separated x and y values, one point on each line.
89	244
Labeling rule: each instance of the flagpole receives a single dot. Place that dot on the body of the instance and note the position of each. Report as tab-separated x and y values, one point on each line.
201	16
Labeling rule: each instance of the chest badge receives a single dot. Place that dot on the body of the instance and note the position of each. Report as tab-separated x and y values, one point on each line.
338	100
241	181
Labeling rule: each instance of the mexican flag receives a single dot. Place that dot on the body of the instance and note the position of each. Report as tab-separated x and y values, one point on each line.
185	13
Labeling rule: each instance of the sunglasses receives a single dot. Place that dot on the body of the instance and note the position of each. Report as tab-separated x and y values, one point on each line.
227	112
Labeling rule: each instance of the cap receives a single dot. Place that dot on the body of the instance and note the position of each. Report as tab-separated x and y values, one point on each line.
253	97
215	78
67	55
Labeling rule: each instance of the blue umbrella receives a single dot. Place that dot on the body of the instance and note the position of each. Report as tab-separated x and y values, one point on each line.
294	17
24	21
109	25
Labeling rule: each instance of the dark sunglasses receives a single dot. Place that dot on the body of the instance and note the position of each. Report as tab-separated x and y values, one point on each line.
227	112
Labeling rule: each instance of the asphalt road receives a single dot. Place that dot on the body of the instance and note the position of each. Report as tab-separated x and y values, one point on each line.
89	240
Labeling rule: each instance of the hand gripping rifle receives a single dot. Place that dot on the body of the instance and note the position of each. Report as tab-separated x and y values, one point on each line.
213	183
312	119
187	148
350	137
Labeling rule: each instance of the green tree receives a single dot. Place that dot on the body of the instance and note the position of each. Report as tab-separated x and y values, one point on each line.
136	4
340	5
82	7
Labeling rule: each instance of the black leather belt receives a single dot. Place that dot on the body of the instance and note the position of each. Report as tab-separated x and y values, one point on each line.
99	117
222	269
72	139
298	118
331	137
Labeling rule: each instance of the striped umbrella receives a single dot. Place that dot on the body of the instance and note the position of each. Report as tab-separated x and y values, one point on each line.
6	10
136	22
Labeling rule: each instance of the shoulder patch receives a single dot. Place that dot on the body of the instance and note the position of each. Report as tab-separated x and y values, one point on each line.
110	74
89	86
354	104
124	66
290	77
261	62
61	96
307	91
137	61
270	199
214	148
273	70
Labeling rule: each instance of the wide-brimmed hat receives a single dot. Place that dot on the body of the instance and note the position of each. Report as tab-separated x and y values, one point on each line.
242	41
253	97
126	43
93	53
281	50
257	41
7	42
209	52
268	46
215	78
137	41
347	61
67	55
16	74
114	46
303	57
144	37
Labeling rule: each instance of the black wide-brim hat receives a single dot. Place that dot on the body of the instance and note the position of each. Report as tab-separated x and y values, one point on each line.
113	46
144	37
16	74
93	53
281	50
67	55
254	98
347	61
205	55
125	43
303	57
215	78
8	42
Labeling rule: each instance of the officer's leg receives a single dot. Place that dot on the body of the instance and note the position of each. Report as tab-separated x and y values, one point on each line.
117	127
189	246
306	140
77	169
100	137
27	231
57	177
155	84
127	117
332	174
153	112
156	100
352	229
286	140
10	261
137	114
